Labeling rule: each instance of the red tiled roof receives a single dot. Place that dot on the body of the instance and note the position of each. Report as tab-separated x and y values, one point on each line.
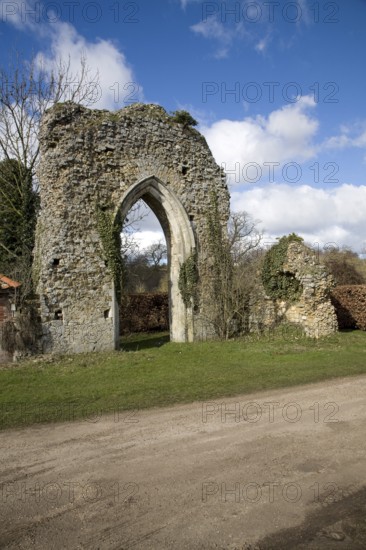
5	282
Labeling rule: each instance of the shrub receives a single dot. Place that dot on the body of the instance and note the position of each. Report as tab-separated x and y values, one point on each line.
184	117
144	312
350	305
9	337
22	333
345	266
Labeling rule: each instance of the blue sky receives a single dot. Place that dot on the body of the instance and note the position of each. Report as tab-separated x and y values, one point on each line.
278	87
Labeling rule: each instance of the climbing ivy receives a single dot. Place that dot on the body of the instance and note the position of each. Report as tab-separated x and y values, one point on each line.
219	248
188	279
220	276
37	256
278	283
109	228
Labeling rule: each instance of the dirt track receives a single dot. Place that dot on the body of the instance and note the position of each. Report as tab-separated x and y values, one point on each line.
286	470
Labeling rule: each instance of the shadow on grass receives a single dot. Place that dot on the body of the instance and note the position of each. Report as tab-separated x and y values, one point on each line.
143	340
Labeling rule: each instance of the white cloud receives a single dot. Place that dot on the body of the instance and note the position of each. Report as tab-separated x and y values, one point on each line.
285	135
184	3
21	14
338	142
319	215
146	230
304	12
360	141
117	84
350	136
262	45
212	28
324	216
256	22
144	239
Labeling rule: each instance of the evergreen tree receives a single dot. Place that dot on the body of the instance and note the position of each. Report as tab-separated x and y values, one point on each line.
18	213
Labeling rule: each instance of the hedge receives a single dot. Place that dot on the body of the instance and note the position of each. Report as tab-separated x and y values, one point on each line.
144	312
350	305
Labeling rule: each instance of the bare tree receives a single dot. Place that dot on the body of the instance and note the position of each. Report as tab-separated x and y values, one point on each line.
234	256
345	265
243	235
147	271
156	253
129	247
27	89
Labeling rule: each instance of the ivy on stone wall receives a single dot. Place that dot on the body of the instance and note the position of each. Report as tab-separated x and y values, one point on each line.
37	257
278	283
109	228
219	249
220	277
188	279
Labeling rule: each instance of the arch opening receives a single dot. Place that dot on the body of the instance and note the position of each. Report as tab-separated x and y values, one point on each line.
180	243
144	251
144	306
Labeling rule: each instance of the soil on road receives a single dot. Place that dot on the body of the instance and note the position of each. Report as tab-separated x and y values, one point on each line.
276	469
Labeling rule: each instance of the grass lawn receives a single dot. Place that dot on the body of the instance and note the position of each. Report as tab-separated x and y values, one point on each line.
150	371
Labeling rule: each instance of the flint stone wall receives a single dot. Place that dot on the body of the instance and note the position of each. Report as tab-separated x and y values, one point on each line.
314	311
90	158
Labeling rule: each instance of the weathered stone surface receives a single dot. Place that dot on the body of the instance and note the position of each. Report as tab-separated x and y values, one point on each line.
93	158
313	311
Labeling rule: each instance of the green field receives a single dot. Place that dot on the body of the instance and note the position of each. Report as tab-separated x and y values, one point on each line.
150	371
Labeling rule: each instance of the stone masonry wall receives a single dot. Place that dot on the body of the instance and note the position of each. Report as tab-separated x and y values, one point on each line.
313	311
92	158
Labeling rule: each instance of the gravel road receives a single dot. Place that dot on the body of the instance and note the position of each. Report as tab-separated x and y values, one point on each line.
275	469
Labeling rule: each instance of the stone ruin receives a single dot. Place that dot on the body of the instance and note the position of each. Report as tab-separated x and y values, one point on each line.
96	165
95	161
313	311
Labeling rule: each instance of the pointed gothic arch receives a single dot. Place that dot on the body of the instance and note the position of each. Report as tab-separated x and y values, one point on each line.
180	242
